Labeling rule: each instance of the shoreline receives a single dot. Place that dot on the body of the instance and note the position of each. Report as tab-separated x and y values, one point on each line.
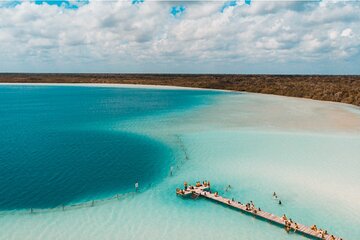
170	87
339	88
118	85
111	85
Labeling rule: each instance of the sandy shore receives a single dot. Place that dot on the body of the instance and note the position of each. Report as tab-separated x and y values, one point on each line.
115	85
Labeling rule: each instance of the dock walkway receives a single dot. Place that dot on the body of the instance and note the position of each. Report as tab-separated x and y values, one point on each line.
203	191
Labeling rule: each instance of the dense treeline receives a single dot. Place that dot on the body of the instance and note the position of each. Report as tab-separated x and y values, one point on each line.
344	89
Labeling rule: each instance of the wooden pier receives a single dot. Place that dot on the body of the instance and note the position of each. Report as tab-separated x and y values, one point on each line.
202	190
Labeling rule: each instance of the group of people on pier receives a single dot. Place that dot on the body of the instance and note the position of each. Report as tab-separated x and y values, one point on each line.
198	184
322	232
251	207
289	224
187	187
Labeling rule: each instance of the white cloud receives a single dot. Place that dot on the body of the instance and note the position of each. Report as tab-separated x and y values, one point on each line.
120	34
346	32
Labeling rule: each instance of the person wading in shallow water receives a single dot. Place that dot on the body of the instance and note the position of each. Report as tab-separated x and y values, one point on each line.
274	195
136	186
171	170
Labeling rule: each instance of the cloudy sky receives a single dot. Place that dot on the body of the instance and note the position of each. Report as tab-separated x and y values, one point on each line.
180	36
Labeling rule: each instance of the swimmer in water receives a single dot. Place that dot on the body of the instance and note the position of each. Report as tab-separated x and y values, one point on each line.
274	195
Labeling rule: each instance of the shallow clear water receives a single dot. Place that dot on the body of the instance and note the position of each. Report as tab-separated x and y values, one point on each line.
256	143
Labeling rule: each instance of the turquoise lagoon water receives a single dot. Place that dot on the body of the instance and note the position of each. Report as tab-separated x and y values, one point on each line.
311	163
51	156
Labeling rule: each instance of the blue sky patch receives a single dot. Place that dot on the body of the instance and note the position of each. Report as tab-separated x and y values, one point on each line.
9	4
137	1
63	3
177	10
60	3
228	4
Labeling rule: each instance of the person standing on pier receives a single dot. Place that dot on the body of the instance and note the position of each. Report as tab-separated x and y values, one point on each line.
185	185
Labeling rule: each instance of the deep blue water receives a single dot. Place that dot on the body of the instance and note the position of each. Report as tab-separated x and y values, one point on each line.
48	157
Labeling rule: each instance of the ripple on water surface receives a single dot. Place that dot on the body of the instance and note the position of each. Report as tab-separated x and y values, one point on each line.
70	166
